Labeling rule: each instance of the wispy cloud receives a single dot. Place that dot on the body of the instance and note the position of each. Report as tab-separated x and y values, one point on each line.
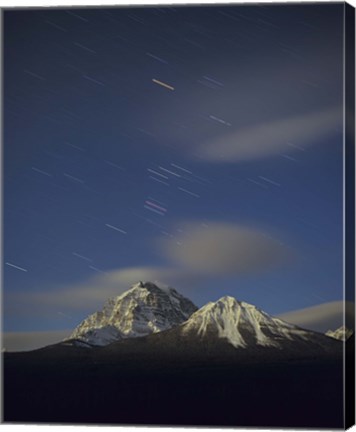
223	248
322	317
283	96
25	341
271	138
69	304
89	295
197	253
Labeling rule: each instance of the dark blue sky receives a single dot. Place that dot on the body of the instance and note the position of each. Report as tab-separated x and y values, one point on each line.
128	132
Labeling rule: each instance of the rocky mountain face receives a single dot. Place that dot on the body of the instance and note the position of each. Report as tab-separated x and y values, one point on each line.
150	357
140	311
165	321
242	325
234	329
342	333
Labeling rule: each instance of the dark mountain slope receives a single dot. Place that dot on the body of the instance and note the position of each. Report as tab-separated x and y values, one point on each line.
136	388
229	364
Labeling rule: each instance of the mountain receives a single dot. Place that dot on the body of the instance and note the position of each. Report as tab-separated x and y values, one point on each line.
226	364
242	325
342	333
140	311
230	329
163	319
252	331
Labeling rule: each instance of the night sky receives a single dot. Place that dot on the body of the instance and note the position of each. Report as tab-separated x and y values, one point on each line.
198	147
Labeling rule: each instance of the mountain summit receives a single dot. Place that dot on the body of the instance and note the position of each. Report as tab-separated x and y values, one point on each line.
212	366
140	311
342	333
231	328
169	320
242	325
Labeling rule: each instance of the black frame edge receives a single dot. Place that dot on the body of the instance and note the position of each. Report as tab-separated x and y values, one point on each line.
349	116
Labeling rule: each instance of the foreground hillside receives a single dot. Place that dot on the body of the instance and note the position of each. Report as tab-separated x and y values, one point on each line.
141	386
150	357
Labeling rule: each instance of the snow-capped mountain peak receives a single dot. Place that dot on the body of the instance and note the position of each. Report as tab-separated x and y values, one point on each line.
144	309
241	324
342	333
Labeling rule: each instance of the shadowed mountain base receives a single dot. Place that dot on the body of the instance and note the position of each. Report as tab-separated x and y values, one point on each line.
137	383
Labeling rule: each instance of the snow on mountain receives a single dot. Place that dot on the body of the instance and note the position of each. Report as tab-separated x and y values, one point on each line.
140	311
147	309
242	325
342	333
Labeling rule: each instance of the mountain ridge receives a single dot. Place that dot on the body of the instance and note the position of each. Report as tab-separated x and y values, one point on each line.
224	327
342	333
185	375
233	319
144	309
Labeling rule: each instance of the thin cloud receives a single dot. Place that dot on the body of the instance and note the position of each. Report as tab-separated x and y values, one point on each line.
322	317
283	88
223	248
91	294
26	341
79	300
271	138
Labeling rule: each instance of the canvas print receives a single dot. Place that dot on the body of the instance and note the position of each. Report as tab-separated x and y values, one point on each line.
178	215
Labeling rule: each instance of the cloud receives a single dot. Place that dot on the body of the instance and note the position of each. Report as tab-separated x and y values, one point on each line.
90	294
277	95
323	317
25	341
198	253
68	305
224	248
270	138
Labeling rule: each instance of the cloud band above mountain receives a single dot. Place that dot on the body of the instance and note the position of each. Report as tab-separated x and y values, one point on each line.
322	317
92	293
225	248
271	138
